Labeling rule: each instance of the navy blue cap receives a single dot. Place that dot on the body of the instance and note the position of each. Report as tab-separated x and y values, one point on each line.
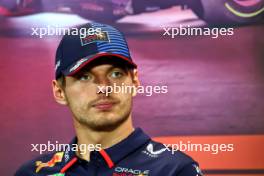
89	42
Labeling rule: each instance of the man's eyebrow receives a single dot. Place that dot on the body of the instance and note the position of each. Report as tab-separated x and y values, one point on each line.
110	68
81	73
125	69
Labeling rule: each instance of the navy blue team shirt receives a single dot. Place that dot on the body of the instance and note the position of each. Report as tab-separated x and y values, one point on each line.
137	155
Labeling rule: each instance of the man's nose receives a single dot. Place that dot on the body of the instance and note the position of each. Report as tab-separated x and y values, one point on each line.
103	81
104	86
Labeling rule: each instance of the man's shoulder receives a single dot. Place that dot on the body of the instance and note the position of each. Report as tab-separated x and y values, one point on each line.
36	165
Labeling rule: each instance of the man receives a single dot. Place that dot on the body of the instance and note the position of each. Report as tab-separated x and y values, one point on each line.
86	68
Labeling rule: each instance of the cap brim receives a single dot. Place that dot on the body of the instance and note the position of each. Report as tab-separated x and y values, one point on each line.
87	60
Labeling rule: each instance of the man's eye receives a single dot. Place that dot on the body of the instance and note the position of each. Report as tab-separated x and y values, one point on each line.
85	77
116	74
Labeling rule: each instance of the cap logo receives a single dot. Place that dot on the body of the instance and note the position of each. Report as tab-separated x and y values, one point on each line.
98	36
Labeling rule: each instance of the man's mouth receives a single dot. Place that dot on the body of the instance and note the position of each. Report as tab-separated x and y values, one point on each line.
104	105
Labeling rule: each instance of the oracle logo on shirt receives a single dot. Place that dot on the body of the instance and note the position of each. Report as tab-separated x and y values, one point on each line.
121	171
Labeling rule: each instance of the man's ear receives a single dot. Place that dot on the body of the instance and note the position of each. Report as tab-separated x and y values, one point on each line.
59	93
135	81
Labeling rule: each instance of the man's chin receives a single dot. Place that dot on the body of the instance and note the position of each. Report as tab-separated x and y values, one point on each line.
104	123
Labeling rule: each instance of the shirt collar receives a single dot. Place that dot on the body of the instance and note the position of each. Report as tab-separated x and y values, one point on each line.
130	144
117	152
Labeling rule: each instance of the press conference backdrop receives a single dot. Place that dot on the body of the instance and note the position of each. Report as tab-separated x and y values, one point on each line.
215	84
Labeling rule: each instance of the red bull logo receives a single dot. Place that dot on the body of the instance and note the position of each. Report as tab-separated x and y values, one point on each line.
55	159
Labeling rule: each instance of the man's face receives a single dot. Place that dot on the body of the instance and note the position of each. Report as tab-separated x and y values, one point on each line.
95	109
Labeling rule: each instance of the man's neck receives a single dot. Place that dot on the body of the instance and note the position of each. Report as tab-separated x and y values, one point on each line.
106	139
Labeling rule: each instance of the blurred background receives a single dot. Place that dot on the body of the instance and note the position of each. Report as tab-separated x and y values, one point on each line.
215	86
